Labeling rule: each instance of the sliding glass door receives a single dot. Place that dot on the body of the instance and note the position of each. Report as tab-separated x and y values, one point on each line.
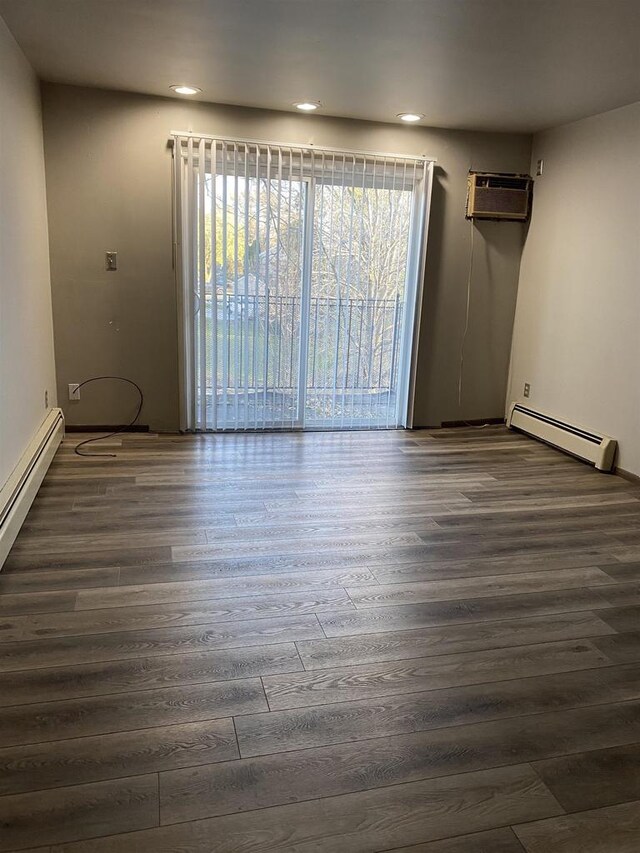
361	244
299	274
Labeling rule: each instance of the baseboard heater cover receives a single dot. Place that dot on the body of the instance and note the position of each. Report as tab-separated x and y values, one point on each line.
587	445
17	494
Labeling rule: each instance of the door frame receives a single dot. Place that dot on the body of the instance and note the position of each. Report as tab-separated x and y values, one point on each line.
183	263
414	300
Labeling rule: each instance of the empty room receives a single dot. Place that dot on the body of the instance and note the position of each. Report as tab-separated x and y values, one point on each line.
319	426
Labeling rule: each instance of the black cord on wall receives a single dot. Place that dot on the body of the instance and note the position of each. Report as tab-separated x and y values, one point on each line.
466	319
120	429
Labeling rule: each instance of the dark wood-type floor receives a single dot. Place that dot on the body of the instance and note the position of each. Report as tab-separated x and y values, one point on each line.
323	643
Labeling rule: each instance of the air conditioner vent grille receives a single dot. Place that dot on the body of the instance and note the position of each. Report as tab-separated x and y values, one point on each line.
511	182
501	201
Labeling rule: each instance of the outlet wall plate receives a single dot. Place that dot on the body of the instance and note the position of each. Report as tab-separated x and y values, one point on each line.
527	389
74	390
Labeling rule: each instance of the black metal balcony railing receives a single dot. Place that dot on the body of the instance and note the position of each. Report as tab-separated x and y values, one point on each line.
353	349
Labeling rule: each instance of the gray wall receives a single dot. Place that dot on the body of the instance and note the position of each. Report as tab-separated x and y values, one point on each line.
26	334
576	335
109	188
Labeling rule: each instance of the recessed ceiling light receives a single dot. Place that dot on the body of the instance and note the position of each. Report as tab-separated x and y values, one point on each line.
181	89
307	106
410	116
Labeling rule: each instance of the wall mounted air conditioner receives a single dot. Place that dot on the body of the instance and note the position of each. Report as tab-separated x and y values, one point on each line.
499	195
597	449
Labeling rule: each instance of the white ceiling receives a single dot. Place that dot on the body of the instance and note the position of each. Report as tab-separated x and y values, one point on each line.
518	65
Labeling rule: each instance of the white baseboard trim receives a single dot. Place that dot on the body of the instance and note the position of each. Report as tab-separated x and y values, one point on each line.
17	494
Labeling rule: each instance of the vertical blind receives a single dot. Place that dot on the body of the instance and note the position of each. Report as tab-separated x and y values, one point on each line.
299	278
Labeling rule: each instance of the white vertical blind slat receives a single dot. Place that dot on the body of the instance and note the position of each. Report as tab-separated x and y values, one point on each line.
336	343
406	316
267	261
254	348
359	384
224	295
191	278
348	376
322	337
182	276
371	294
237	320
278	404
200	322
291	383
392	236
245	303
212	379
300	361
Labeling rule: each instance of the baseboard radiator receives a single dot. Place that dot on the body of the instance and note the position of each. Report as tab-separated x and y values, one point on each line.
589	446
17	494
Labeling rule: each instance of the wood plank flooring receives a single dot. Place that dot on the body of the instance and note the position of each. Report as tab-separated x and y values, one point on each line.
418	642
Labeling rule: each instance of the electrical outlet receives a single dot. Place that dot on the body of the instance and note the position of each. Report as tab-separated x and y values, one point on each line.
74	391
539	168
46	399
111	261
527	389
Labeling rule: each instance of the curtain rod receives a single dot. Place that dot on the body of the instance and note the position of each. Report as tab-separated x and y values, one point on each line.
309	146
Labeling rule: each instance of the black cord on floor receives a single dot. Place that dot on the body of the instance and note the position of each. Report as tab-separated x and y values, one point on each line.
120	429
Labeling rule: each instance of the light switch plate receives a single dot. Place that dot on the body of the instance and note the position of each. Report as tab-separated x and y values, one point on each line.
111	261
